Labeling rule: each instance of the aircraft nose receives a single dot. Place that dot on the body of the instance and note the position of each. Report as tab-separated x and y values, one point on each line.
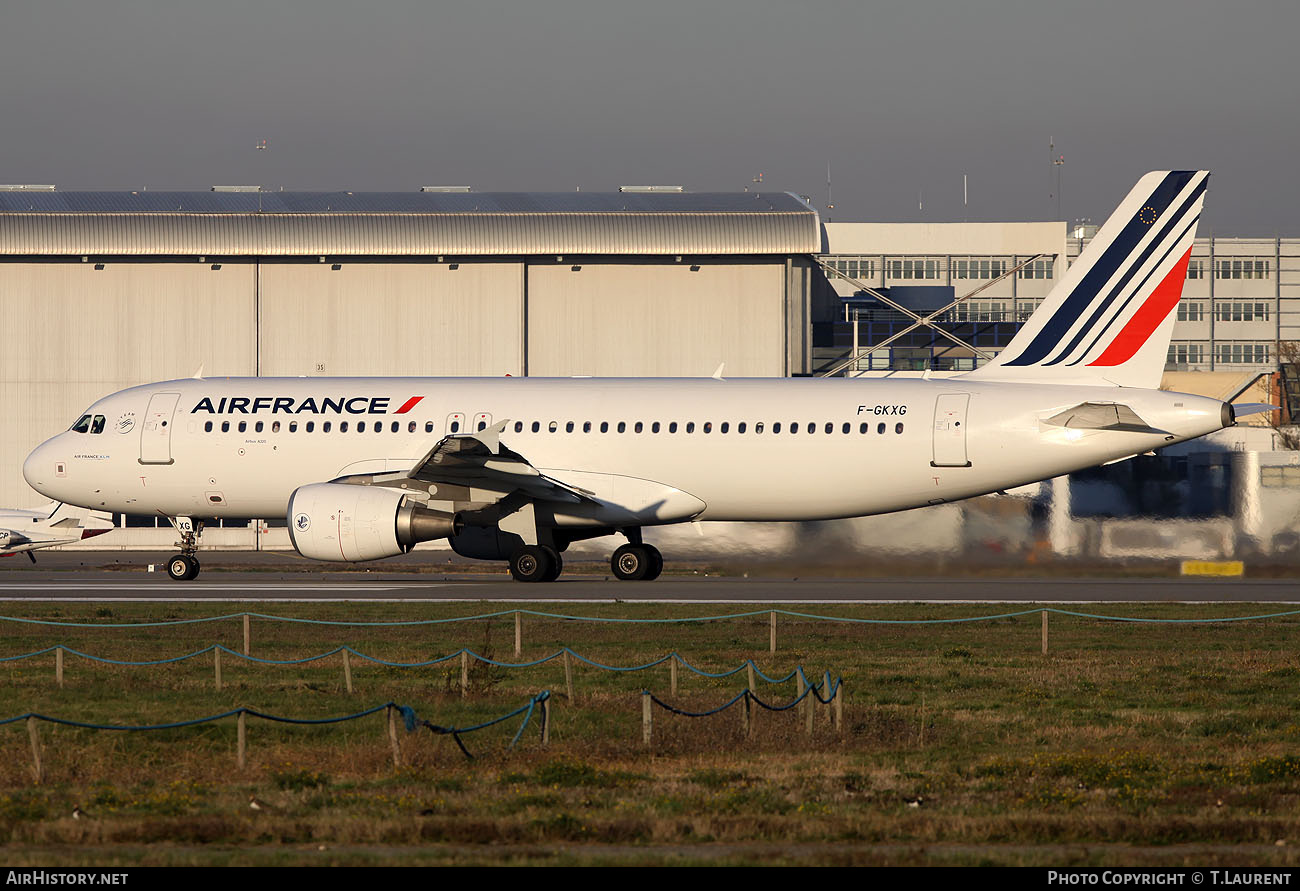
43	466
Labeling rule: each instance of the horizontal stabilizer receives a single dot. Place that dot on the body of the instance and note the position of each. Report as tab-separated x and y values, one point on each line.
1102	416
1240	410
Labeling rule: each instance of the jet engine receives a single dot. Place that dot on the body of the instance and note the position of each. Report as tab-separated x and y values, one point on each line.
341	522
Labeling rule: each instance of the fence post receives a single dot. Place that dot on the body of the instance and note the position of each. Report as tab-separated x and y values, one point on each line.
464	673
347	670
772	632
839	707
519	634
392	737
826	692
745	722
248	636
749	670
647	720
1044	632
807	708
568	676
242	745
799	691
216	665
672	674
38	769
58	666
546	721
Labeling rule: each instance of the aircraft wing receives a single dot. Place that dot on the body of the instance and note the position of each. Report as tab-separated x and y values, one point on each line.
480	461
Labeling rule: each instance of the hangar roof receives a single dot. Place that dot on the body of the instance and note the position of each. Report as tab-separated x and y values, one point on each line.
49	223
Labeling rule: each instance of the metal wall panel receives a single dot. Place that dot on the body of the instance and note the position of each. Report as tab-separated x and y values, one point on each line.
72	334
391	319
656	320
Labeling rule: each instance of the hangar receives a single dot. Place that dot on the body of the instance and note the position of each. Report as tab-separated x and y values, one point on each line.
105	290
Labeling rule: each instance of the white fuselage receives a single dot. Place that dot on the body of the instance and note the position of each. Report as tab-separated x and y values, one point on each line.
173	457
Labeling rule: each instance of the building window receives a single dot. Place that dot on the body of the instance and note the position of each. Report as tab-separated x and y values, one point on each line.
979	267
1041	268
1191	311
1242	268
1026	308
855	267
1241	311
979	311
1196	269
1242	353
913	268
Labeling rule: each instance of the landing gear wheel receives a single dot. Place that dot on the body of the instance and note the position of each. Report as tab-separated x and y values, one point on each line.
557	564
182	567
632	563
532	563
194	572
656	563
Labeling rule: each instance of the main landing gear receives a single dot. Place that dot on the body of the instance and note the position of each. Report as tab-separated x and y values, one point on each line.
184	566
633	562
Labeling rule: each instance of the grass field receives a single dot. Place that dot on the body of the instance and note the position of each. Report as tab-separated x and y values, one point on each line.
961	743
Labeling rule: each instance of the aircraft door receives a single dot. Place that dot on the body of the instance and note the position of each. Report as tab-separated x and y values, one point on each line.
950	430
482	421
456	422
156	432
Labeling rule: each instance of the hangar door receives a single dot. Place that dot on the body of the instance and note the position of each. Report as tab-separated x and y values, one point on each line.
950	430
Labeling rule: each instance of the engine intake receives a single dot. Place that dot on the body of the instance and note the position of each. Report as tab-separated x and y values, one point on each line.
346	523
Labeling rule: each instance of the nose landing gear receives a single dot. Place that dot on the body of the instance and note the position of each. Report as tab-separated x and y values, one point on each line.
184	567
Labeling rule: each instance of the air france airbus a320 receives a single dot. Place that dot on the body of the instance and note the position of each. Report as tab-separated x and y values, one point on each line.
516	469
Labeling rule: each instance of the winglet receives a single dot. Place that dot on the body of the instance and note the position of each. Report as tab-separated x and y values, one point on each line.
717	375
198	375
1241	409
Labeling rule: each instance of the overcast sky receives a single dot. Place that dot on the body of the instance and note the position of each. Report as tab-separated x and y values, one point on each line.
901	99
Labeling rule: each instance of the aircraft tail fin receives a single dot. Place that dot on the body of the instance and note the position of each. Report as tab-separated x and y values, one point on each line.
1109	319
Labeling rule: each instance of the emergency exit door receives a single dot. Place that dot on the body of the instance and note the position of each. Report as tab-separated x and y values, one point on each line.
156	432
950	430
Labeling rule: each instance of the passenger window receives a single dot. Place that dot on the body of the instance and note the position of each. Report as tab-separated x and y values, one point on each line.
243	426
654	428
812	428
776	428
553	426
708	426
758	428
898	428
455	426
361	426
343	426
622	426
672	427
311	426
637	428
536	426
690	426
482	425
394	427
568	428
410	428
846	427
207	427
604	426
275	426
225	426
325	428
519	426
97	425
740	428
880	428
830	428
257	427
724	427
293	426
82	425
794	428
586	426
428	426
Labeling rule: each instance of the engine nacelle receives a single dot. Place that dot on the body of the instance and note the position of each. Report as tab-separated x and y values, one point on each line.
341	522
485	543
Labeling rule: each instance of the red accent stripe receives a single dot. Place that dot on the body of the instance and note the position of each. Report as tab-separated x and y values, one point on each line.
1148	317
408	405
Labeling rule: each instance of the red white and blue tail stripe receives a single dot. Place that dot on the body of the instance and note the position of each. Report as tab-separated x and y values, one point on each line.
1109	320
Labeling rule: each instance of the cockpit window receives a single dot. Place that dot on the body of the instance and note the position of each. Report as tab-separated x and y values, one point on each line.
82	425
97	425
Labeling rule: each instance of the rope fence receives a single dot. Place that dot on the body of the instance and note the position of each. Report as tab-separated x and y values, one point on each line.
393	711
827	692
